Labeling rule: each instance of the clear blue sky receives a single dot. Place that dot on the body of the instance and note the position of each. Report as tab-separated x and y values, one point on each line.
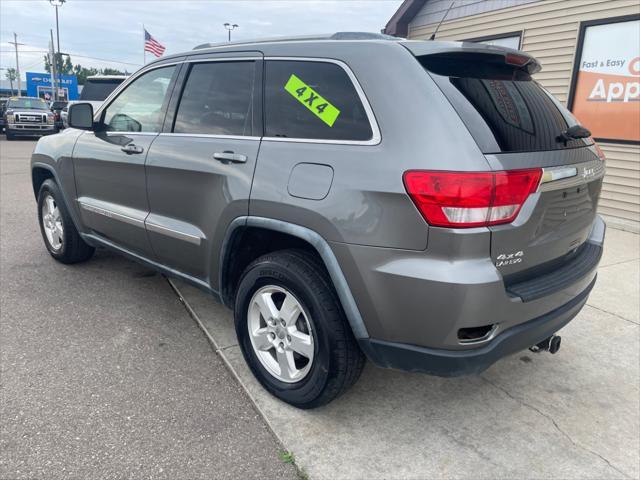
112	29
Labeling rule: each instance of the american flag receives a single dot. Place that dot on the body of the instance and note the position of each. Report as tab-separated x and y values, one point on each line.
152	45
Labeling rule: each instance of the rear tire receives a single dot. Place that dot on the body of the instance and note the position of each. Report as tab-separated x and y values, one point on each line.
56	226
335	362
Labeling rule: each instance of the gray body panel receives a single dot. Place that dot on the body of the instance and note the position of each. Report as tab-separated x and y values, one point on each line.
192	193
111	187
400	281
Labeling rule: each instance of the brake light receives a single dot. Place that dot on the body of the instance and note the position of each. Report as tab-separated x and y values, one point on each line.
470	199
516	59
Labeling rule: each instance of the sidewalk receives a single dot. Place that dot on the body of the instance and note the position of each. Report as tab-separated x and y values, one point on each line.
572	415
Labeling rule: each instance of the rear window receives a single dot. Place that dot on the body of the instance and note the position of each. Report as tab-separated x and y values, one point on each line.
312	100
504	109
99	90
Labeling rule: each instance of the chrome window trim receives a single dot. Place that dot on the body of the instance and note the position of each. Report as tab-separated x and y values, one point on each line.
376	137
170	232
222	59
569	176
210	135
113	133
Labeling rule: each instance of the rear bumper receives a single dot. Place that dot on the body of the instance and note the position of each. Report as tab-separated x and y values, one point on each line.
451	363
416	304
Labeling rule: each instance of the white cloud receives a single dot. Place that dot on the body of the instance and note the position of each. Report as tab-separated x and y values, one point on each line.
112	29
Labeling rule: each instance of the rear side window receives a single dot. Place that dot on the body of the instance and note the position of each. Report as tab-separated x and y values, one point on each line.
217	99
503	108
313	100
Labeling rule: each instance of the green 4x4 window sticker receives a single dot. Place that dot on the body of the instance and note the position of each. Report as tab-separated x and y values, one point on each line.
308	97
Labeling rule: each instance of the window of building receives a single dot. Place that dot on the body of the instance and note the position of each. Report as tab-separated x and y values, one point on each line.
217	99
509	40
313	100
605	88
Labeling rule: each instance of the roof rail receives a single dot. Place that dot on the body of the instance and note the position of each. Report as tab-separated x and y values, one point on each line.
306	38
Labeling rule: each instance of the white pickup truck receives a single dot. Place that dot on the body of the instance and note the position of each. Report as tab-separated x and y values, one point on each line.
96	89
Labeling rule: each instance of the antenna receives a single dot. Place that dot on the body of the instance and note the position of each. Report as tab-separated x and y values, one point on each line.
433	35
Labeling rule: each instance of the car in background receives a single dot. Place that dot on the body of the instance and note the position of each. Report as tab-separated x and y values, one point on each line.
3	105
28	116
56	107
95	90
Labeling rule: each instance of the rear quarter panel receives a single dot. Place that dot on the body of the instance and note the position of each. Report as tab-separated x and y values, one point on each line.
367	203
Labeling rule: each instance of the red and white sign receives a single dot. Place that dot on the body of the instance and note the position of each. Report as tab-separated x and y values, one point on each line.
607	91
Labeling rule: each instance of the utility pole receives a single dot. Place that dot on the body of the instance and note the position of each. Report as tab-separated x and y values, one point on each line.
15	44
56	4
54	77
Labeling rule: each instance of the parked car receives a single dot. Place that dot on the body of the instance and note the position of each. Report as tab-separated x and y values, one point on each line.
3	107
56	107
95	89
423	204
27	116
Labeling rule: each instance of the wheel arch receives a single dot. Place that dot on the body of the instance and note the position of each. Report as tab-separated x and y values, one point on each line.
41	172
293	236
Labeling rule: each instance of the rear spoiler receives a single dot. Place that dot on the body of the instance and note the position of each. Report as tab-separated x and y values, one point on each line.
516	58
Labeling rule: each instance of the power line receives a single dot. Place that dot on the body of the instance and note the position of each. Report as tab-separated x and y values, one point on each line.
75	55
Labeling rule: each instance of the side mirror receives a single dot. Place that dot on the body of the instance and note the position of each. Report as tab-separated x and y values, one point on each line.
81	116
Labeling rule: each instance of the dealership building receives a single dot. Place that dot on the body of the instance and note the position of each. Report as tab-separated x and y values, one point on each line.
590	56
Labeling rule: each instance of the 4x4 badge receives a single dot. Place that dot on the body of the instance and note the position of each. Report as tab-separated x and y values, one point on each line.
311	99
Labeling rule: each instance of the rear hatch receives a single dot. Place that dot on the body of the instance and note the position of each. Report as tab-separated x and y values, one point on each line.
519	125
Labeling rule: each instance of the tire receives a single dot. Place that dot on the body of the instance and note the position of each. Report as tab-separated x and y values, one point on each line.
66	248
337	361
9	135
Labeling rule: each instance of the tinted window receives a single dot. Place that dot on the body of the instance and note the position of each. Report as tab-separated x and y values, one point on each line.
503	108
315	100
33	103
138	108
217	99
98	90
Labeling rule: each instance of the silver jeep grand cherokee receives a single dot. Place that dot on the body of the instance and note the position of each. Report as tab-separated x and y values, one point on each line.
423	204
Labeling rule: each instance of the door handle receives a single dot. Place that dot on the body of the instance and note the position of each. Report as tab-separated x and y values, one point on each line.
131	148
229	157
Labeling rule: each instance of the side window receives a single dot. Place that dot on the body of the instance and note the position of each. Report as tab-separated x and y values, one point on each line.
314	100
217	99
138	108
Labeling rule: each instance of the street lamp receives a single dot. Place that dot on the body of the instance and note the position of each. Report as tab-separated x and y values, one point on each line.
228	26
56	3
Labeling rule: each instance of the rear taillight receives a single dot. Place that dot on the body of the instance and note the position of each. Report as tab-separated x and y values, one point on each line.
470	199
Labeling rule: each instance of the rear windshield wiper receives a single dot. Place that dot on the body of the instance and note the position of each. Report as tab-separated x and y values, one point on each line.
572	133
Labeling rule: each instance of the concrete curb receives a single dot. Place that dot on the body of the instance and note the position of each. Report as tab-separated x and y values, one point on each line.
221	352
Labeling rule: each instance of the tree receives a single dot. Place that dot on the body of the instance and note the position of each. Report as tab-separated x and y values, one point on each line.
63	64
12	75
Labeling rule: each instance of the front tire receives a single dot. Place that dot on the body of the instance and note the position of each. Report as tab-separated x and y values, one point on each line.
59	233
293	332
9	135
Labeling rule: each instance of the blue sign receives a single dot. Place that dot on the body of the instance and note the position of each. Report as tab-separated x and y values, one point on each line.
39	85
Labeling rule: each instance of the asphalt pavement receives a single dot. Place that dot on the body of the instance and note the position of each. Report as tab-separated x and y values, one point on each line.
103	374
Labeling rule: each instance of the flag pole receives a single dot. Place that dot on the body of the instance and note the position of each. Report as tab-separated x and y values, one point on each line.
144	52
